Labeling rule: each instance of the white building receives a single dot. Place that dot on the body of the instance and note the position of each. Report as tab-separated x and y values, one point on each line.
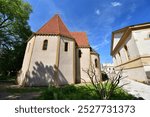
107	68
54	55
130	49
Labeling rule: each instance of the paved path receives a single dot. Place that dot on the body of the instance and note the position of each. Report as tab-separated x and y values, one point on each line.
137	89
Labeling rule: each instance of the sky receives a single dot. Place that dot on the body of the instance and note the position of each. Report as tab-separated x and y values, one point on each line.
98	18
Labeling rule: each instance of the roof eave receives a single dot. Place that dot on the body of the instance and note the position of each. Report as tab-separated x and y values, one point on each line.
127	30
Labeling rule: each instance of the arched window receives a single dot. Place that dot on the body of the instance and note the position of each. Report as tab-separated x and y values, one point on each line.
96	64
45	44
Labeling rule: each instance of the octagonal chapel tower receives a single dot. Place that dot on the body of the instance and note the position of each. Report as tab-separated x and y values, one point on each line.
49	56
56	56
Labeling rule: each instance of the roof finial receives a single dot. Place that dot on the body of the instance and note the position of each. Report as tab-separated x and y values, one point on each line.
57	13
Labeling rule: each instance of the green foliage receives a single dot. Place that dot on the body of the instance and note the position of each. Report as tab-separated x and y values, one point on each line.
120	94
69	92
75	92
14	31
25	90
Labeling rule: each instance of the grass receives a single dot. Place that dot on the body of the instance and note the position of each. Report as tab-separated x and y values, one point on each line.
25	89
68	92
7	79
78	92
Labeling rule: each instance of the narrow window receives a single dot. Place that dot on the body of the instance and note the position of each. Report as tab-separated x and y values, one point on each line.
96	65
66	46
79	53
127	52
45	44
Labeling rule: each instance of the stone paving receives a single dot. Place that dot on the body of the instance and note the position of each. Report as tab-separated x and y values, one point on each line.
137	89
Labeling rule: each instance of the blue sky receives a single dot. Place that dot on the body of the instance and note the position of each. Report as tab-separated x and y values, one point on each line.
98	18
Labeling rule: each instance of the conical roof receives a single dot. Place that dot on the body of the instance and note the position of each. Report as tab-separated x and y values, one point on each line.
55	26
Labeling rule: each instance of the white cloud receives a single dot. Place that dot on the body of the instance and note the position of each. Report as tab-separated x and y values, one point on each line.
103	43
95	47
98	12
100	45
115	4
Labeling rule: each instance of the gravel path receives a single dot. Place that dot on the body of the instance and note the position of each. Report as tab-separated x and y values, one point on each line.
137	89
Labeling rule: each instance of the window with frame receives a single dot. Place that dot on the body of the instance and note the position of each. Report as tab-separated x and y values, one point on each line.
45	44
96	64
66	47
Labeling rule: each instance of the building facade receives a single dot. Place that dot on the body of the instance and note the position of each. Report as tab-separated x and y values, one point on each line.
108	68
54	55
130	49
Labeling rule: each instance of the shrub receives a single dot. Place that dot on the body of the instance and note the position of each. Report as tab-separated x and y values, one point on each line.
105	90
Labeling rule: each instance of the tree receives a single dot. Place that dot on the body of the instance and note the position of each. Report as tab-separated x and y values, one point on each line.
14	31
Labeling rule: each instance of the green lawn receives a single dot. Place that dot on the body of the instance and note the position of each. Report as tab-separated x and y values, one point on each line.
68	92
79	92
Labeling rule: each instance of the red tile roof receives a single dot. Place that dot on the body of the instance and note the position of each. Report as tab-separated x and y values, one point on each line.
81	39
54	26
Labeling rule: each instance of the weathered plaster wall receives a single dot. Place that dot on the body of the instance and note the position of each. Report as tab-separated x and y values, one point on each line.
41	71
117	37
67	61
97	69
142	40
84	63
26	60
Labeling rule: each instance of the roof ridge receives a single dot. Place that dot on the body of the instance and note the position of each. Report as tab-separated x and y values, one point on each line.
58	23
78	32
44	25
131	26
55	26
